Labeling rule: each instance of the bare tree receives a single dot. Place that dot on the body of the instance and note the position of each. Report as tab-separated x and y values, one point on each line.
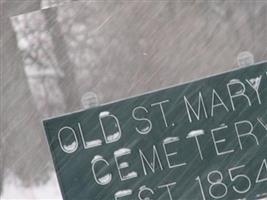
20	122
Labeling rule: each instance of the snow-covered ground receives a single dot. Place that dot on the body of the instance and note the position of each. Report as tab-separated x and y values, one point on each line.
13	189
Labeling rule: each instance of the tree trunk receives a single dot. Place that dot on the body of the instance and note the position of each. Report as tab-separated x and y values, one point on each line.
67	82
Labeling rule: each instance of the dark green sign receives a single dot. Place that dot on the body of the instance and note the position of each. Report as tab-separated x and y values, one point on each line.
202	140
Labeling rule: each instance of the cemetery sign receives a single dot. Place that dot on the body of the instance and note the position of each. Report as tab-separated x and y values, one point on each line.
203	140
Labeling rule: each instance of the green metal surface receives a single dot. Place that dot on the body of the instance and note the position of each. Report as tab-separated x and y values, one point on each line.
201	140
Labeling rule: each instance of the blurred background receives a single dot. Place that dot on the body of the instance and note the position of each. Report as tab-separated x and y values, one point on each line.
60	56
